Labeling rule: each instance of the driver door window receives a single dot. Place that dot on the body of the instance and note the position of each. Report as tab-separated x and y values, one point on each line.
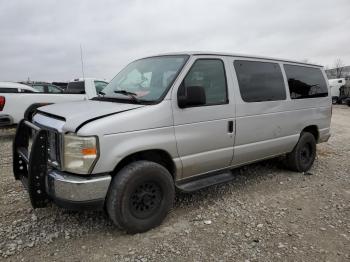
209	74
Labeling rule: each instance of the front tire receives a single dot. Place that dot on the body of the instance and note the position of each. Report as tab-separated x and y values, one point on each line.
140	196
303	155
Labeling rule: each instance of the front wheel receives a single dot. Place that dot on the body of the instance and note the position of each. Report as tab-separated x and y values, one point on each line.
140	196
303	155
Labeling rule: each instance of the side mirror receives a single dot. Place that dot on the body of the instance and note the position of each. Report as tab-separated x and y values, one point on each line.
191	96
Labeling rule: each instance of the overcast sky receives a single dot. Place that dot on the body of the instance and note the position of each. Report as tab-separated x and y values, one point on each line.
41	39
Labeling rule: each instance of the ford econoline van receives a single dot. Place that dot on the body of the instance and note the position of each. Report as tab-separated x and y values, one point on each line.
173	121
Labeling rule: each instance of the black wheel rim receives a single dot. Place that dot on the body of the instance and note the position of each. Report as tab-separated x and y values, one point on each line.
146	199
306	154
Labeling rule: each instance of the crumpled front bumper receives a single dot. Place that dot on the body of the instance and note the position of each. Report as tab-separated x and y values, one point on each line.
76	192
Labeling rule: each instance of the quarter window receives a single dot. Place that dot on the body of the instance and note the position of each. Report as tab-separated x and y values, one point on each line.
209	74
305	82
260	81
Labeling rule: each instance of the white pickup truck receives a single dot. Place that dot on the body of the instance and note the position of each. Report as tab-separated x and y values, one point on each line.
18	105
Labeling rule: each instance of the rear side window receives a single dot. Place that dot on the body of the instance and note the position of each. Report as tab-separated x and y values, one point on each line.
8	90
260	81
305	82
77	87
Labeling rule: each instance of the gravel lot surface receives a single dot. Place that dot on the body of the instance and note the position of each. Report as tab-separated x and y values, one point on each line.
266	214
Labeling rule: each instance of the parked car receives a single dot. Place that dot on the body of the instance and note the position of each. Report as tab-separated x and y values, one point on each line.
171	121
14	107
11	88
78	86
46	87
335	85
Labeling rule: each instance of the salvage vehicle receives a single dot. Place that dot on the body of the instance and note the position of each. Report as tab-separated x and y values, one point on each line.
179	120
15	106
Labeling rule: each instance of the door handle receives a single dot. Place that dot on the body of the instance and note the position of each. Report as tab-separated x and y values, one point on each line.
230	126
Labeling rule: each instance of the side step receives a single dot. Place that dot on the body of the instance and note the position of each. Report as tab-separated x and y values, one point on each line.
197	183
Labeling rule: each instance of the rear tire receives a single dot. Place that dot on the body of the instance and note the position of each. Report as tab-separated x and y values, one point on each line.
140	196
303	155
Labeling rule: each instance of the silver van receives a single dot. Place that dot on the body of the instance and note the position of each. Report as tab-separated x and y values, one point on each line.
179	120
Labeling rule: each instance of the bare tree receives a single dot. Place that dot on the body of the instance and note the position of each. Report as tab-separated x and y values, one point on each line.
338	66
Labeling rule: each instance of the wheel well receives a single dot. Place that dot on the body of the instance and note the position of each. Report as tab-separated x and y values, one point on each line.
313	130
156	155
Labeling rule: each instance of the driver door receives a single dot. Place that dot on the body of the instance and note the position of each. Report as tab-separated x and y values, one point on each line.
205	133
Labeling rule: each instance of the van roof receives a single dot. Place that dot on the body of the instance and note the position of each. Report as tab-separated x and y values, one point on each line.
236	55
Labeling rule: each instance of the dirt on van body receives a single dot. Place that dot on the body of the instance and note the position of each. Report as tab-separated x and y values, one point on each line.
266	214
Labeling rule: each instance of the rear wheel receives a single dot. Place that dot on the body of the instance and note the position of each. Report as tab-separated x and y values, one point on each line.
140	196
303	155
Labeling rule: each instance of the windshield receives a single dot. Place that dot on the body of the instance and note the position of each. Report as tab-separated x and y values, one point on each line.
145	80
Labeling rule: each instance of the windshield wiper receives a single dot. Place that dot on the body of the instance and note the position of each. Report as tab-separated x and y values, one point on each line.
101	93
132	95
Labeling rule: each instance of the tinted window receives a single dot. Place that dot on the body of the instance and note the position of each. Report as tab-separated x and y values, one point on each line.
305	82
260	81
209	74
8	90
77	87
99	85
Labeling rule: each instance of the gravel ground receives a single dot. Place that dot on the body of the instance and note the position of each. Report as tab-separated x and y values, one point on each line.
266	214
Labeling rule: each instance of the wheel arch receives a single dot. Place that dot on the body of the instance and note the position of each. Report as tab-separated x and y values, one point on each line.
158	156
313	129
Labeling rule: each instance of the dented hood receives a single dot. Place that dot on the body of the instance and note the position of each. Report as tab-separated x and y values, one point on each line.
73	115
